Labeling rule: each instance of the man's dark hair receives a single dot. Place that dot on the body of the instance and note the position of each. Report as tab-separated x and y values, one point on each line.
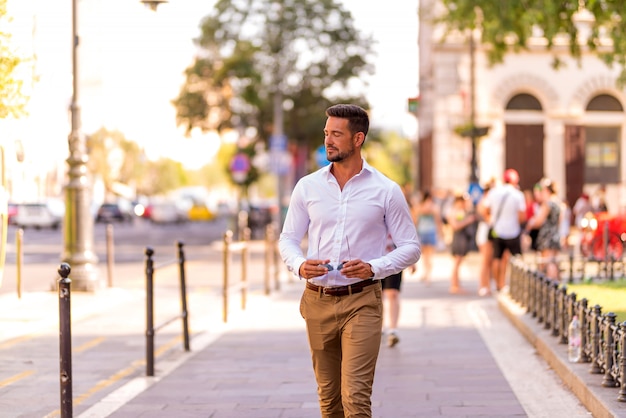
358	120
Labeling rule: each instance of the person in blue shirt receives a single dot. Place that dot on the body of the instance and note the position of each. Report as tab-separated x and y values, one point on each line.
346	210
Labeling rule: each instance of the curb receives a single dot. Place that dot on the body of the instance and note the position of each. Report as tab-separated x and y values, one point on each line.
600	401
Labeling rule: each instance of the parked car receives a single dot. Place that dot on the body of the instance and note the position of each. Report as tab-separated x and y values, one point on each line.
120	211
11	212
603	235
167	212
200	212
37	215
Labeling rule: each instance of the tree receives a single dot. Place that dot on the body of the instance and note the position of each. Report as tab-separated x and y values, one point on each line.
508	25
162	176
12	100
115	159
308	50
391	154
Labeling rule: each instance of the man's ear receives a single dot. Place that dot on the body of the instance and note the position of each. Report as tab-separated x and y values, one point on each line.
359	139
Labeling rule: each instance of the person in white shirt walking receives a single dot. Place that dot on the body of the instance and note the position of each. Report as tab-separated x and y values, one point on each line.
346	210
505	206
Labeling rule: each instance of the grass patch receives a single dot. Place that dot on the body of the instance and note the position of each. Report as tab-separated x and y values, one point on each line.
610	295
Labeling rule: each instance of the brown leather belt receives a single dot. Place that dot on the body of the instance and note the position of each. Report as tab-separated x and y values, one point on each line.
341	290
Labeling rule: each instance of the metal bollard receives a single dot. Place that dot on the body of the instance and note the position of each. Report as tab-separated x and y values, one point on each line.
244	267
65	340
268	258
228	237
183	294
149	312
110	254
19	259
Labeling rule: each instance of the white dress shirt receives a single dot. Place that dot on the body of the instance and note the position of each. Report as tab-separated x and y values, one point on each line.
352	223
505	201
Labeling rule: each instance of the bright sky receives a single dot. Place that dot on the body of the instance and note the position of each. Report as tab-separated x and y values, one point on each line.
132	61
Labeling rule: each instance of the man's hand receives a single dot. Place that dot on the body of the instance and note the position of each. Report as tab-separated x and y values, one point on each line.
357	269
353	269
313	268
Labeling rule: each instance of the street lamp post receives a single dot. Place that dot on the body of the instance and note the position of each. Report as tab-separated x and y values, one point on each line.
473	179
78	226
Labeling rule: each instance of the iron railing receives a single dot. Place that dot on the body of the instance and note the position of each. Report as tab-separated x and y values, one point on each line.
549	302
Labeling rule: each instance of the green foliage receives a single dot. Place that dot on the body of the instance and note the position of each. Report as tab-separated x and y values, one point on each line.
508	24
308	49
115	159
12	100
391	154
163	176
611	296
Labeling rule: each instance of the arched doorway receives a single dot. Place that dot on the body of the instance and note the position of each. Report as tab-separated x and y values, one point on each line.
524	139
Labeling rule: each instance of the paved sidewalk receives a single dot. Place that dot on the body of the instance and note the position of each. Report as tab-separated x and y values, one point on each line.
458	356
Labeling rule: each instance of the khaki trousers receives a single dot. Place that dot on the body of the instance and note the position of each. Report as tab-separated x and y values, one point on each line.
344	335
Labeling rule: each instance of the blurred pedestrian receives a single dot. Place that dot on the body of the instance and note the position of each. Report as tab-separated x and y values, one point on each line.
532	205
391	302
484	244
461	220
581	207
548	220
598	200
506	207
346	210
429	230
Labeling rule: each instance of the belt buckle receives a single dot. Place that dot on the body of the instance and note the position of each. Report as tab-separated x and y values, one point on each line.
324	291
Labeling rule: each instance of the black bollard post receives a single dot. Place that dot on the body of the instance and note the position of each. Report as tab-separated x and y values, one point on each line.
183	294
149	312
65	340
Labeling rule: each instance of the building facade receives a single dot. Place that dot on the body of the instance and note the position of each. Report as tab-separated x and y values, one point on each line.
566	124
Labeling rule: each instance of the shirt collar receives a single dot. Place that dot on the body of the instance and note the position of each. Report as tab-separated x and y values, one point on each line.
366	167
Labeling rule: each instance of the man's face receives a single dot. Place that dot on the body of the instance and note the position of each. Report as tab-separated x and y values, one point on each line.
338	140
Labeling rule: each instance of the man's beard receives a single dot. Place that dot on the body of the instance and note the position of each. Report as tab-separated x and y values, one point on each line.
339	156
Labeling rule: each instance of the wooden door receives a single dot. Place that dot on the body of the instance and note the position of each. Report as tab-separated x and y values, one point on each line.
524	152
574	162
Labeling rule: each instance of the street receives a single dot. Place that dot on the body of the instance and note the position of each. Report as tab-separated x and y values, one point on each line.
131	239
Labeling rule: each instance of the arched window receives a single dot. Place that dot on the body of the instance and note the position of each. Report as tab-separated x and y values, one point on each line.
523	101
602	143
604	103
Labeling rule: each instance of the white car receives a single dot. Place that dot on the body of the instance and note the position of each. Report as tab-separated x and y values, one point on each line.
167	212
37	215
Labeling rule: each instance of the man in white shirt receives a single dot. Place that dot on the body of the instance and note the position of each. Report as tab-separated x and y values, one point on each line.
346	210
505	207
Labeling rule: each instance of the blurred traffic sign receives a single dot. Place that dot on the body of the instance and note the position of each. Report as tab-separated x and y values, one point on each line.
414	103
278	143
239	167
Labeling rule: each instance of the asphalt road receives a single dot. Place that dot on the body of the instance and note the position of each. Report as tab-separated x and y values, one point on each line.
130	240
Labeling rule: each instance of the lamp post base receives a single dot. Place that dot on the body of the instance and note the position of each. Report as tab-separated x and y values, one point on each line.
85	278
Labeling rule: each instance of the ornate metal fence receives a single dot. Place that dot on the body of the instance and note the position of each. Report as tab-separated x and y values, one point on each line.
603	340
